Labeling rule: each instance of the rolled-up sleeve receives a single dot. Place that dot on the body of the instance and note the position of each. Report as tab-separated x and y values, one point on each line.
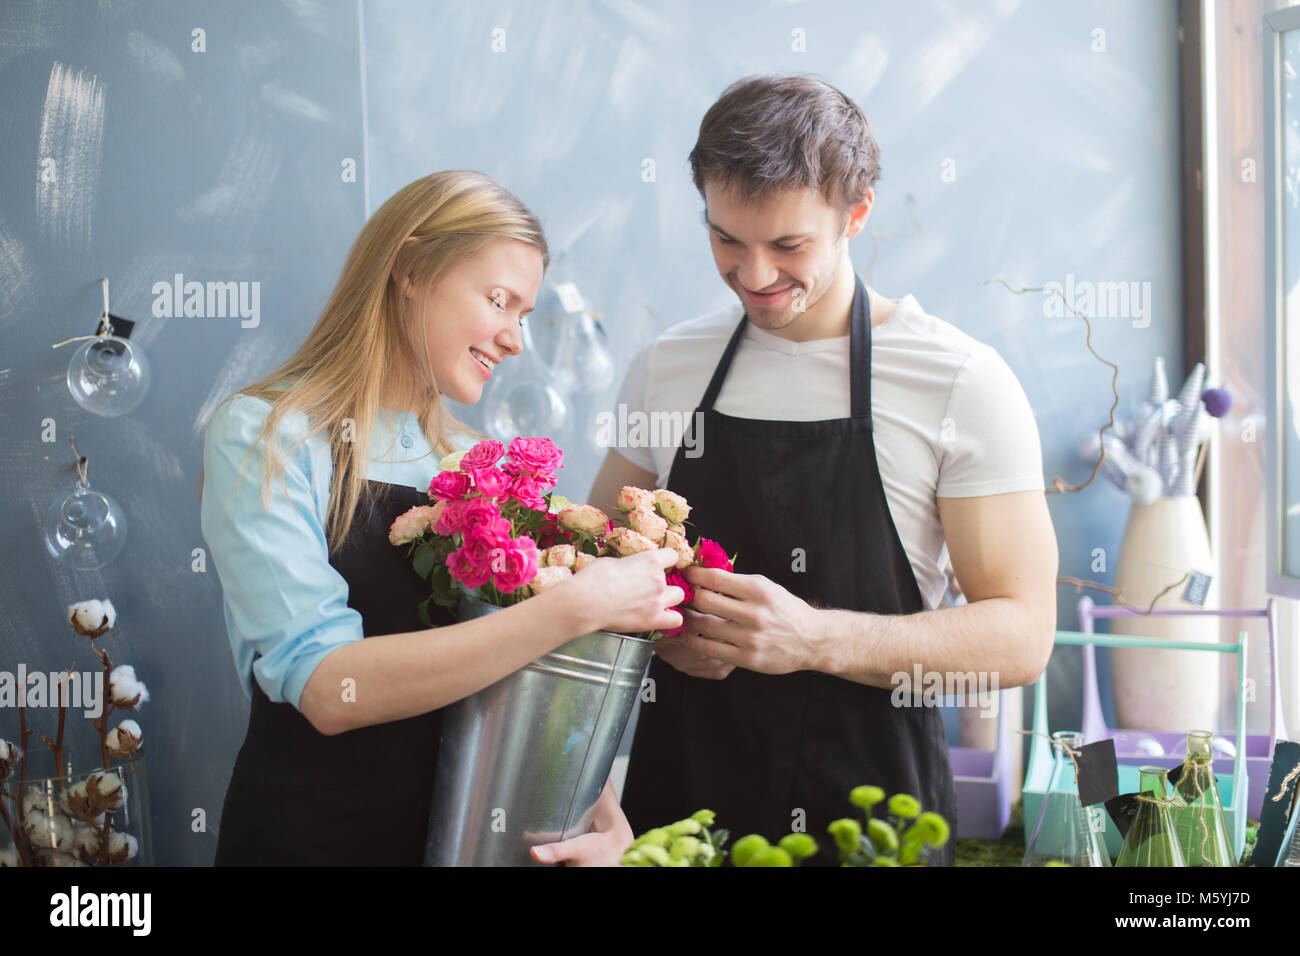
285	605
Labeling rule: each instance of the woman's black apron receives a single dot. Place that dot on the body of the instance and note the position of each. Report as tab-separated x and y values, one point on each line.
803	504
298	797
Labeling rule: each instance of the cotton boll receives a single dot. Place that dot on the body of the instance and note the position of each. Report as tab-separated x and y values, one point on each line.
87	841
124	739
126	691
50	832
60	858
1206	428
106	790
121	847
92	618
34	800
1145	485
77	802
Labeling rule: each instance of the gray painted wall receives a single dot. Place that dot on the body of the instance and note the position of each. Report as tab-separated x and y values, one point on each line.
226	165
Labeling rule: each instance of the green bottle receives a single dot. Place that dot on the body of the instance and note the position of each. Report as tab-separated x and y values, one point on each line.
1150	839
1200	826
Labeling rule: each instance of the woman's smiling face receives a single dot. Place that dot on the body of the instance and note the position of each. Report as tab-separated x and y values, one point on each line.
472	314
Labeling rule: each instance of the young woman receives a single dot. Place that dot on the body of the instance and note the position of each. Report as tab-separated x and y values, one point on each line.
306	470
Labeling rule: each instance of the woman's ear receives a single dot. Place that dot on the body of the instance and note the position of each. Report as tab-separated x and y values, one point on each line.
403	273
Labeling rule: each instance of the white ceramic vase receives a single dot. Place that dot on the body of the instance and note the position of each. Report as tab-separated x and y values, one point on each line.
1158	689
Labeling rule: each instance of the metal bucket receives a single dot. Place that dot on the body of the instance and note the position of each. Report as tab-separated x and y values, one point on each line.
523	762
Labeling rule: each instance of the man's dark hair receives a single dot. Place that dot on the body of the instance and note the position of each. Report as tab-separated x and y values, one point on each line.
772	133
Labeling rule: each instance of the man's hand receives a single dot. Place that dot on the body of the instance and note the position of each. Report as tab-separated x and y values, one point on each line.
748	621
603	845
689	662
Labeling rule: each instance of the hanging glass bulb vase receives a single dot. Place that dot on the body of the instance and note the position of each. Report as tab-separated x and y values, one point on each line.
85	528
1150	839
529	405
108	375
1064	834
582	362
1200	826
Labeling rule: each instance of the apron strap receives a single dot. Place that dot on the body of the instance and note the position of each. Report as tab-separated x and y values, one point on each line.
859	357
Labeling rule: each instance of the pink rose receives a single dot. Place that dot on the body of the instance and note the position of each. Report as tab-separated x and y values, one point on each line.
586	518
483	455
449	485
524	489
627	541
491	483
536	455
482	511
675	579
647	523
630	498
414	523
710	555
548	577
465	569
514	563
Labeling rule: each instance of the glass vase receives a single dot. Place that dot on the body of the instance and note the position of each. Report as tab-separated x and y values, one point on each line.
94	818
1064	832
1200	826
1150	839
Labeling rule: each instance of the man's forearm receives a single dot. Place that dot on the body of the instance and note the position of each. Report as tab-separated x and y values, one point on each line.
996	635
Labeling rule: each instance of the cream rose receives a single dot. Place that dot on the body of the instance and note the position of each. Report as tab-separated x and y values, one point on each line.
629	499
671	505
586	518
548	577
648	523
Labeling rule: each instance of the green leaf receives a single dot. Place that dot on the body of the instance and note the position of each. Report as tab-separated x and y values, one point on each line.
422	611
425	559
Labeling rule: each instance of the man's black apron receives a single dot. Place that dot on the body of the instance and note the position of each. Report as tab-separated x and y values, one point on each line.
299	797
803	504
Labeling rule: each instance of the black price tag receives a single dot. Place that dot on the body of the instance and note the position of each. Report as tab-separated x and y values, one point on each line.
1123	810
1275	815
121	327
1098	772
1198	586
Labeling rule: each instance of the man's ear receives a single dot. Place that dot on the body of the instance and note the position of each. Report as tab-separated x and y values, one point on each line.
858	215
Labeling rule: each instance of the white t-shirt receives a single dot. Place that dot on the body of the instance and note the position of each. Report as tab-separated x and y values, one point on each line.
950	417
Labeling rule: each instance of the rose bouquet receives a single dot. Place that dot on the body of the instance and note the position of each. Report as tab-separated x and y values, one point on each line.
497	531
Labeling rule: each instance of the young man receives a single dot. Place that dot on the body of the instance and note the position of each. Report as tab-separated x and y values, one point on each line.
842	443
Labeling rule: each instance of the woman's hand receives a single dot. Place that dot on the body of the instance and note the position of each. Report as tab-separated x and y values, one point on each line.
626	595
603	845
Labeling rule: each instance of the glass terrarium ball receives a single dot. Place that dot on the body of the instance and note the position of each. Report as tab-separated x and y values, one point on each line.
85	529
108	376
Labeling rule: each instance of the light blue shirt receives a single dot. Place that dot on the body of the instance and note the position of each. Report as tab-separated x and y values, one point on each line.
283	599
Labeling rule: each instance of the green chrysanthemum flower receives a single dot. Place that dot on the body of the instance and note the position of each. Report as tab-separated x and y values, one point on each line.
1055	863
771	856
657	855
659	836
908	853
882	835
800	846
904	805
704	817
931	829
746	847
685	848
687	827
847	834
866	797
884	861
633	858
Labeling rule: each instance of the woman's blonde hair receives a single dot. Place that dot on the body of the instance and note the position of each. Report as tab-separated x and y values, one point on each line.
363	341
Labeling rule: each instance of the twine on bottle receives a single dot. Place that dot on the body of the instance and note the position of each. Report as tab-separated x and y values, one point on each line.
82	462
105	326
1286	783
1060	745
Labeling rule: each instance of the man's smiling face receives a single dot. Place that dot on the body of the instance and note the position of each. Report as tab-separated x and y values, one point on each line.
779	255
